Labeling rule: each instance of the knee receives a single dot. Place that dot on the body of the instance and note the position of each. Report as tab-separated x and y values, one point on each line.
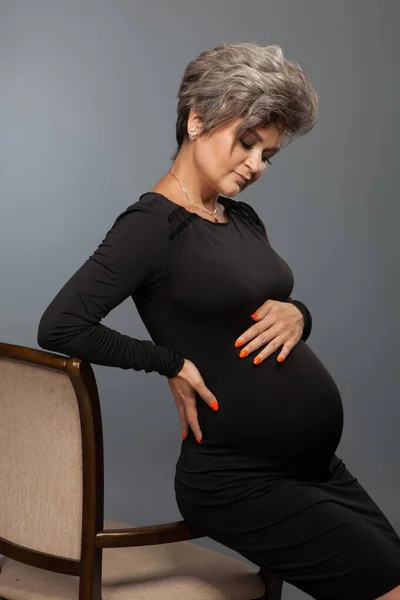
394	594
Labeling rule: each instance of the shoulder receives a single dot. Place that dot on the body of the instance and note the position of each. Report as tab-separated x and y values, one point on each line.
149	212
246	212
149	204
155	215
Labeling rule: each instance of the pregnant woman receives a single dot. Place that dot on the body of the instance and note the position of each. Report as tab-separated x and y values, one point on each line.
261	416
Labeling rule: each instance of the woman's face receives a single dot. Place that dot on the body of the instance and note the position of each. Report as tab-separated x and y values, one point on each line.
222	161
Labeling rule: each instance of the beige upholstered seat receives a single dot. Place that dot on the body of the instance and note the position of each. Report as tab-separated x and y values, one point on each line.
52	534
177	571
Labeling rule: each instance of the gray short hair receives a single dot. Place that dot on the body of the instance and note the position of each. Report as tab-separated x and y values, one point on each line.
249	80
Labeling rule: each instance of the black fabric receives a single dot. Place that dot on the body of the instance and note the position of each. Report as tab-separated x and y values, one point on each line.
130	260
265	480
322	534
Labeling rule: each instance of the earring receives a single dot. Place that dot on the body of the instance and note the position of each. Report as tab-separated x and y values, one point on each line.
192	137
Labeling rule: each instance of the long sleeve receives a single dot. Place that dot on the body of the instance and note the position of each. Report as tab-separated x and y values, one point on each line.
130	257
306	316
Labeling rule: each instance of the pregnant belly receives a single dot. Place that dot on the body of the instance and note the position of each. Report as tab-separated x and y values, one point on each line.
291	411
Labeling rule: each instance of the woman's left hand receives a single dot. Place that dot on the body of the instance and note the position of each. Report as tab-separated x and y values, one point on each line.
276	324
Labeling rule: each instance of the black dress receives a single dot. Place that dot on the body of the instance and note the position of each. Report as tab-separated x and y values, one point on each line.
265	481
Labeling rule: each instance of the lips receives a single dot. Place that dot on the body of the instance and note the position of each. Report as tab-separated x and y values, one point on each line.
240	178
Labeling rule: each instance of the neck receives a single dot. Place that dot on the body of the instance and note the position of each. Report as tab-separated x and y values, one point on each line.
198	190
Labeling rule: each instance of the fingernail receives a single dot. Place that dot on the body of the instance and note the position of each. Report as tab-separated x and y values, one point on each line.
254	315
257	360
198	440
243	354
214	405
239	343
184	435
280	358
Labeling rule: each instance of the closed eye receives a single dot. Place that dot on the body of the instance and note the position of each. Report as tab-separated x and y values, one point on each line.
250	147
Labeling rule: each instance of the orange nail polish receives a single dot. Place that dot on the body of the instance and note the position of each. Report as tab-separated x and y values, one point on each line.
254	315
238	343
214	405
243	354
184	435
198	440
257	360
280	358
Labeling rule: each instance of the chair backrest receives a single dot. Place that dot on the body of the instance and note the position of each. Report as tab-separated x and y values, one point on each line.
51	467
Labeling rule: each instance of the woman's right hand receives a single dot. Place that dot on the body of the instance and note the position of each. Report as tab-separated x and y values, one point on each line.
184	387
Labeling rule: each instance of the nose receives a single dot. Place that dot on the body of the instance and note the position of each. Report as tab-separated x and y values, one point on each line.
254	164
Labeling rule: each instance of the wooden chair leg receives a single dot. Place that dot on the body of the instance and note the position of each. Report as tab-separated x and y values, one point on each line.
273	586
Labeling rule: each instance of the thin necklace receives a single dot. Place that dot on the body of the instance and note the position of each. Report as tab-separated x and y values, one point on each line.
196	205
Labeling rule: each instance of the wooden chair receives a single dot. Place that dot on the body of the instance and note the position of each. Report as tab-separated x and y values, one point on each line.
52	534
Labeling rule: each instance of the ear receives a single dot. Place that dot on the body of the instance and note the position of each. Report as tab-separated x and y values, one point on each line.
194	120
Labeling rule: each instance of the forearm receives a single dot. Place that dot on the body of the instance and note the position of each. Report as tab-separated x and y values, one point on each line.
102	345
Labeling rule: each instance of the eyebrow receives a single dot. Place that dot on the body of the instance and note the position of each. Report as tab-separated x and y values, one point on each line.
260	139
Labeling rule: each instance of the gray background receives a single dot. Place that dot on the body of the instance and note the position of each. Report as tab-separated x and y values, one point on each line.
87	124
